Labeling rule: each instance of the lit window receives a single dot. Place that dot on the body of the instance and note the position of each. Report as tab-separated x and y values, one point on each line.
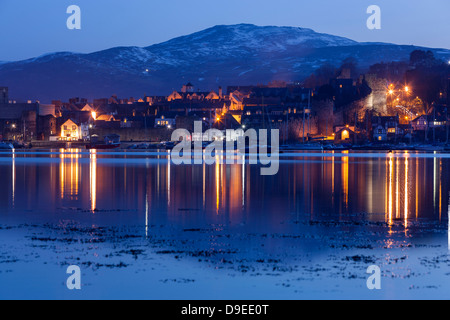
345	135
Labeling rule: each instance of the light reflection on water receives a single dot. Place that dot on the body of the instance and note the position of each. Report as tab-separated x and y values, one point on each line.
93	179
337	186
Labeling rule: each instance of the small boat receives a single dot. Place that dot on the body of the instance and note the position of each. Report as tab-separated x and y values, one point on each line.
110	142
168	145
332	147
142	146
6	146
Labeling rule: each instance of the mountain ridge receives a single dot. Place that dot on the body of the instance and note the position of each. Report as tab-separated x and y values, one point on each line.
218	56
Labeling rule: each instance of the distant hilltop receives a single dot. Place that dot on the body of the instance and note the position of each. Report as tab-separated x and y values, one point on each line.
219	56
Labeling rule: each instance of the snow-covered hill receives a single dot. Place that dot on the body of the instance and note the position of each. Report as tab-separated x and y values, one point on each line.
218	56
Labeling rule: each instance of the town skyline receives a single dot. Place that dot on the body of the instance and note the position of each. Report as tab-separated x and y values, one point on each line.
334	105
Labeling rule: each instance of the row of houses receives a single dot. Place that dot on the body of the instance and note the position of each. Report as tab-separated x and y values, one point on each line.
270	106
240	106
392	129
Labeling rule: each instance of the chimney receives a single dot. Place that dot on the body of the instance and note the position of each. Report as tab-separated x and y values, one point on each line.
220	92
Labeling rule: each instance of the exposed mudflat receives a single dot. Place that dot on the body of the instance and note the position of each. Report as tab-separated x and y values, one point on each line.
325	259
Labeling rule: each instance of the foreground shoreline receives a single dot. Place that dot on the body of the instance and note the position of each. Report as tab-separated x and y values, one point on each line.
166	263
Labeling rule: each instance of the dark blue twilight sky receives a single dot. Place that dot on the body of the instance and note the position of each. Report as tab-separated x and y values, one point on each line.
34	27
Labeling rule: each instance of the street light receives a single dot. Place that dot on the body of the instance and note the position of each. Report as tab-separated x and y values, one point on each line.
407	89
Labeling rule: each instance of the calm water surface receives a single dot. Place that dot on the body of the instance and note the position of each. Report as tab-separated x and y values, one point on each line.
37	185
322	212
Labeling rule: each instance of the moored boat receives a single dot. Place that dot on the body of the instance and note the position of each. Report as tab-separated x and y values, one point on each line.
110	142
6	146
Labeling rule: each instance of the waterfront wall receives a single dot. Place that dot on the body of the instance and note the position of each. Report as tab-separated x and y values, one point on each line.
136	134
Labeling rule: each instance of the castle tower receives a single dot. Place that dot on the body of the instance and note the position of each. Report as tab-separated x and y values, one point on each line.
377	99
188	88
